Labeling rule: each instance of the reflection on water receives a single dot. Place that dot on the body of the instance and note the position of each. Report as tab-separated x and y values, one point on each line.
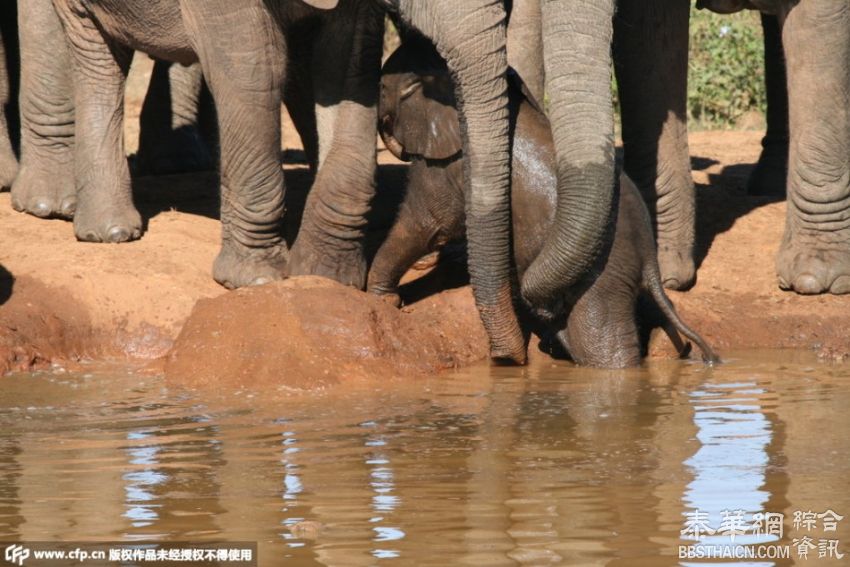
541	465
734	435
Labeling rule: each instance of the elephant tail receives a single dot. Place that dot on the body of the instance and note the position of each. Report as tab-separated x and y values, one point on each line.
673	323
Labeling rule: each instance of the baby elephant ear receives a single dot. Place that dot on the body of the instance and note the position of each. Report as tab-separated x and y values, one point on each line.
323	4
442	139
428	129
429	121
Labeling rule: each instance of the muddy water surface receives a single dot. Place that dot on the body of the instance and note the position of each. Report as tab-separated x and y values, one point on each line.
499	466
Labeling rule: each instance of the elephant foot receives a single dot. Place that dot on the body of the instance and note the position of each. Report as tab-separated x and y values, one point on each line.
182	152
97	225
240	266
310	258
812	268
8	170
677	267
44	194
769	177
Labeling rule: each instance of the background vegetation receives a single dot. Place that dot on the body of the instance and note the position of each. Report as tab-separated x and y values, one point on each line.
726	75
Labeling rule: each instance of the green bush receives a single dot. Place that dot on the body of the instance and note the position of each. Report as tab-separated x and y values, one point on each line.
726	68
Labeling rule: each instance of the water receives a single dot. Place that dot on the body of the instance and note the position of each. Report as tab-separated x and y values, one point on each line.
499	466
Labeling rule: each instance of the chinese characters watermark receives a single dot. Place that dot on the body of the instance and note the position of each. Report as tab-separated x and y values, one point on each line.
760	535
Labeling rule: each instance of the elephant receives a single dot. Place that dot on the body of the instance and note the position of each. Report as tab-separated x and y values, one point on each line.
243	49
814	255
419	122
170	139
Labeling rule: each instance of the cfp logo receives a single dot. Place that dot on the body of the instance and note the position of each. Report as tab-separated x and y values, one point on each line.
17	554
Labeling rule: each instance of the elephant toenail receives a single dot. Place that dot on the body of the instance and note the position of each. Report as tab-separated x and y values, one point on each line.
68	207
117	234
41	209
807	284
262	280
840	286
672	283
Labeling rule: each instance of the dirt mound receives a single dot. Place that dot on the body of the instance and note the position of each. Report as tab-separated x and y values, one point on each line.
38	325
117	300
312	332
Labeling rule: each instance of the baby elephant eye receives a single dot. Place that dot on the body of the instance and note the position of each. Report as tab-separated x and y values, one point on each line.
410	89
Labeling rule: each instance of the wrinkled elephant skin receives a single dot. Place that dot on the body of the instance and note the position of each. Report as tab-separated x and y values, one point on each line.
170	141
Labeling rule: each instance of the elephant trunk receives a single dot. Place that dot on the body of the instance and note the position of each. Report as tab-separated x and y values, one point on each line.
577	38
471	36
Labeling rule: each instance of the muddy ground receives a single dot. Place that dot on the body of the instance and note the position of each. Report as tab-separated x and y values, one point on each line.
62	300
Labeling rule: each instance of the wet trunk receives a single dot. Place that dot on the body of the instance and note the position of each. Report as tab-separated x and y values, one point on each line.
471	37
577	55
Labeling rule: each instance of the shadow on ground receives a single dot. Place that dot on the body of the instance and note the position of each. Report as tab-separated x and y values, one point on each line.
198	194
721	202
7	282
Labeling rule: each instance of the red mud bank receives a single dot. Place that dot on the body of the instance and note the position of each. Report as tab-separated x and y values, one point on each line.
61	300
313	332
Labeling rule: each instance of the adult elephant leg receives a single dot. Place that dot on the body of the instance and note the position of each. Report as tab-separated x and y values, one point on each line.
45	183
170	140
471	37
8	161
242	52
105	211
651	64
330	241
525	45
771	172
815	253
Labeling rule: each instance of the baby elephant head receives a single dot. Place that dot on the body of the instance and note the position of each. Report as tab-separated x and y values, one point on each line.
417	114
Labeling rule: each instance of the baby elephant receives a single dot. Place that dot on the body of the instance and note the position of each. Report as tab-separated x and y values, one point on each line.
419	123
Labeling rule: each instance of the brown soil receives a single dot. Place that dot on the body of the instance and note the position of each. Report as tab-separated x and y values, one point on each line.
313	332
61	300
